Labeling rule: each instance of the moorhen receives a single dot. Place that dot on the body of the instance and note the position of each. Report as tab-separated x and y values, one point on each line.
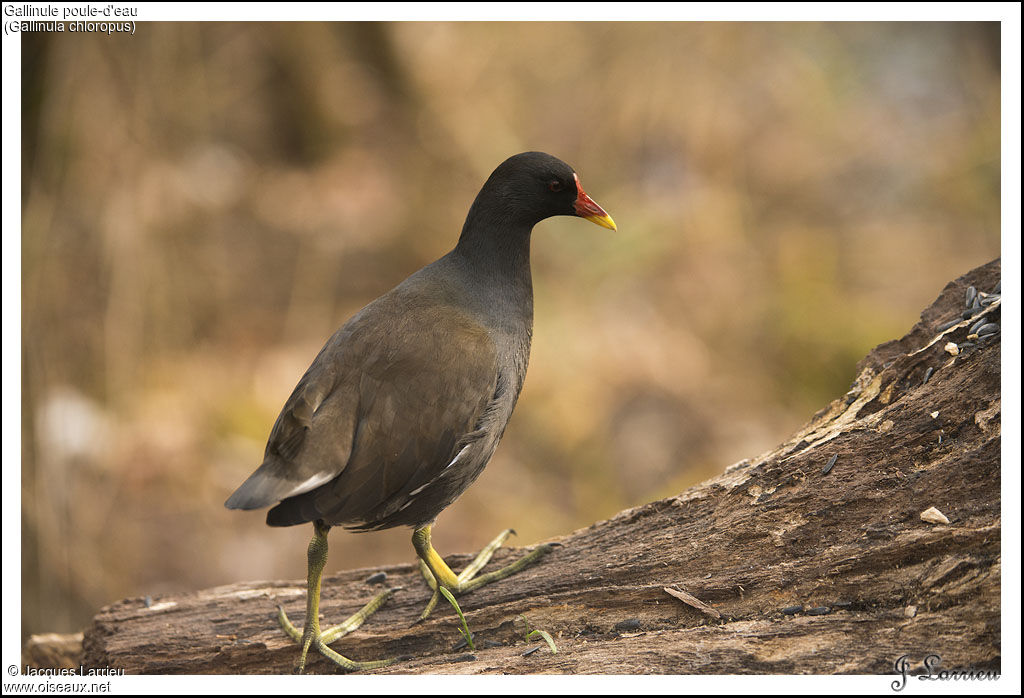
404	405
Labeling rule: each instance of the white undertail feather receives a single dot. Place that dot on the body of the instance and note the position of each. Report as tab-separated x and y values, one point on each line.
425	486
310	483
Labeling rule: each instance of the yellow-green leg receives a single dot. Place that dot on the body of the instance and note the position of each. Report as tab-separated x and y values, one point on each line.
310	635
436	571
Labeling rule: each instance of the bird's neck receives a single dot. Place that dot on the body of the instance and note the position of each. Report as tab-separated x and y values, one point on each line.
494	242
495	254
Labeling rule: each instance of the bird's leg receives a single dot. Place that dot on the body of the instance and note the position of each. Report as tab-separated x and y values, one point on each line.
437	572
310	635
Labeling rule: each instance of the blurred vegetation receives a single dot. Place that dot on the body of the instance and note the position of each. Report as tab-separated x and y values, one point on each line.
205	203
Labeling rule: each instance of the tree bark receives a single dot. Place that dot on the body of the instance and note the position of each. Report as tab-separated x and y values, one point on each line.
813	558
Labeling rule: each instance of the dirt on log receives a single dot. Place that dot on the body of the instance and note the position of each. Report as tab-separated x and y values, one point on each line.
872	534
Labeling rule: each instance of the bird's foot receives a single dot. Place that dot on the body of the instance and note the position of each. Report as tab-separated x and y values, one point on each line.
312	636
467	580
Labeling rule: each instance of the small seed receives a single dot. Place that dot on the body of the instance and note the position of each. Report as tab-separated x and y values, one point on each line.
831	462
946	325
819	611
974	328
792	610
462	643
990	328
989	300
927	375
971	295
629	624
378	578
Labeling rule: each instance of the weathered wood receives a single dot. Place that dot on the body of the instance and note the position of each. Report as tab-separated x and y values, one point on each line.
874	581
53	651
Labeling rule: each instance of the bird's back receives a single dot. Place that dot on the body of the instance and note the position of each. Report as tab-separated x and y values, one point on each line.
399	412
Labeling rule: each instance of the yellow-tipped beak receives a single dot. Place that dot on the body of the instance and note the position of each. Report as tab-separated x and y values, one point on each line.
587	208
604	221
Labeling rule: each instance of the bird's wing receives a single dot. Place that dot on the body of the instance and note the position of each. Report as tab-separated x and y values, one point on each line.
289	467
379	413
418	400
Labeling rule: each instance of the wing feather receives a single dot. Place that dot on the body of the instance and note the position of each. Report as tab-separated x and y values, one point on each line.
386	405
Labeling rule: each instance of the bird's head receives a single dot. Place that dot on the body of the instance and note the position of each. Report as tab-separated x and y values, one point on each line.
538	186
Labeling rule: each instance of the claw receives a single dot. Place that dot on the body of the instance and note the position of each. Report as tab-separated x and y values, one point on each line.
311	636
433	567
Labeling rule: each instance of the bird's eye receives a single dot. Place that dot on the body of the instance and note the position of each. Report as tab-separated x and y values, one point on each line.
555	185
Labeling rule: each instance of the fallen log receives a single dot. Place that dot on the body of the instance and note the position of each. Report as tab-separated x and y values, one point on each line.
872	534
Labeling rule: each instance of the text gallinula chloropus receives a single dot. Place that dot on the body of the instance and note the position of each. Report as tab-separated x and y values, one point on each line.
404	405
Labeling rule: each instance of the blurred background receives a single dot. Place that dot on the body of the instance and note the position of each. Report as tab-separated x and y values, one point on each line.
203	204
